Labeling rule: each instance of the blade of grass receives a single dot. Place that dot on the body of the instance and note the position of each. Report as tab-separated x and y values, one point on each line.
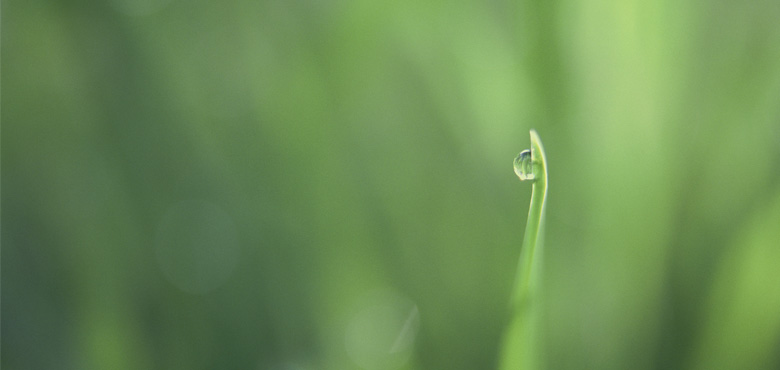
521	344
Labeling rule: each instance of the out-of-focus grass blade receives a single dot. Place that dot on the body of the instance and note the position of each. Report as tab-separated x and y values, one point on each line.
742	327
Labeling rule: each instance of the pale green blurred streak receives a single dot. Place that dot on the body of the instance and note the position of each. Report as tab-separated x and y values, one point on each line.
363	146
742	321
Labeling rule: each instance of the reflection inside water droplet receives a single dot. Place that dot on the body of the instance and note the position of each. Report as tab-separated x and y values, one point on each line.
524	167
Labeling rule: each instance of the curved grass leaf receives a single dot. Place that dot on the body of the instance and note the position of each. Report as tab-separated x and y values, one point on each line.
521	344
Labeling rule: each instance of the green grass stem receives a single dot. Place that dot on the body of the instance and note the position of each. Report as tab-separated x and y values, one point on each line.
521	344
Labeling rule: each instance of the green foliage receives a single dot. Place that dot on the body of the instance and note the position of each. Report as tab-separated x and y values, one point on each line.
323	185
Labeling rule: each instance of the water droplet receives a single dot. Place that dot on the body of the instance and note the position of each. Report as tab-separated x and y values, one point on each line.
524	167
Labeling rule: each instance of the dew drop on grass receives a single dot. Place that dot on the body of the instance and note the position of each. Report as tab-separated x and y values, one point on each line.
524	165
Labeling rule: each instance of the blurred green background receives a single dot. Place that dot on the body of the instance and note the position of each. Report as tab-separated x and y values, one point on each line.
305	185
